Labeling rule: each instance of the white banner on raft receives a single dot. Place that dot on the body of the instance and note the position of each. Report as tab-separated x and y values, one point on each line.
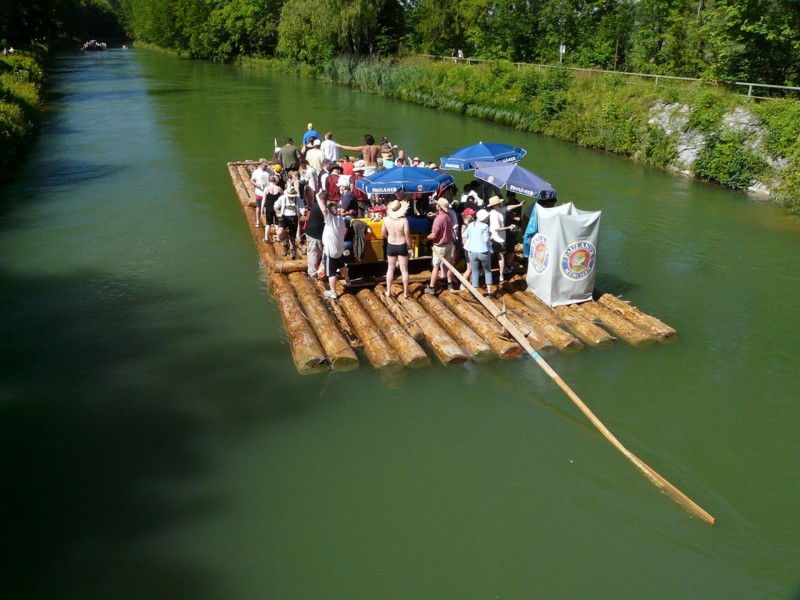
562	258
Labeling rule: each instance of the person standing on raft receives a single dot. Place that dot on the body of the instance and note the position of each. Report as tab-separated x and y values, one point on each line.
333	244
369	152
397	234
442	237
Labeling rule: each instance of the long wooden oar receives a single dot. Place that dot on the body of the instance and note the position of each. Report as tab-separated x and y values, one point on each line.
687	503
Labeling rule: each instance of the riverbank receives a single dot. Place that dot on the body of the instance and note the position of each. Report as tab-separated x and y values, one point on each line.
704	132
22	78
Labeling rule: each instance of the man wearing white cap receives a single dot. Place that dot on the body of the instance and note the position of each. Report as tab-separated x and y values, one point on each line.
314	156
442	237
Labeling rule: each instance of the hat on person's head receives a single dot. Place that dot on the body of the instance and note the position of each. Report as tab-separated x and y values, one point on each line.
433	166
262	161
468	212
317	142
494	201
396	208
359	165
344	181
482	215
277	168
443	203
326	162
291	191
384	139
415	159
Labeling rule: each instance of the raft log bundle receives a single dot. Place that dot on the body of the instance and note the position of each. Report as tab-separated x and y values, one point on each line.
393	332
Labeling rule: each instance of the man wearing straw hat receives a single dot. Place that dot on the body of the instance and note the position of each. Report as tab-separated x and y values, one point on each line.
397	234
442	237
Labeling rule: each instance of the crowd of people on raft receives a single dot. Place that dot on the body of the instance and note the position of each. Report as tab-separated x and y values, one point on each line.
309	190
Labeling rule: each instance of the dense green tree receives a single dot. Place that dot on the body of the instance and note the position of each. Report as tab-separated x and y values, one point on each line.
315	30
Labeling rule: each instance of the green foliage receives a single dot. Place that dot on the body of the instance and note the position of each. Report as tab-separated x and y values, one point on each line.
659	147
726	160
788	192
707	112
782	118
21	80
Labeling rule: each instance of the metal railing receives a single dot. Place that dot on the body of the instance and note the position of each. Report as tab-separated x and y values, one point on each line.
655	78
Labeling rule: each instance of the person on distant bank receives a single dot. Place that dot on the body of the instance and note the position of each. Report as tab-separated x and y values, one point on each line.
397	234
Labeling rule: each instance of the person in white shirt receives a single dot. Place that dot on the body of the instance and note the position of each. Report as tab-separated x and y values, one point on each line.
260	180
329	148
289	208
333	244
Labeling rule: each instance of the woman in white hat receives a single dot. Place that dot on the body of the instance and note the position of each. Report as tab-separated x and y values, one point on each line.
476	242
397	234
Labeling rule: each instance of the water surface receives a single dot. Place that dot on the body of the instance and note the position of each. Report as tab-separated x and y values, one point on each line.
159	443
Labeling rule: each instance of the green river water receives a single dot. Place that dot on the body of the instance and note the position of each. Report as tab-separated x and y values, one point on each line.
158	442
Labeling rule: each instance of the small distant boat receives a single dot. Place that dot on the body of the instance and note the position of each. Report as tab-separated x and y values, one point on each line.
94	46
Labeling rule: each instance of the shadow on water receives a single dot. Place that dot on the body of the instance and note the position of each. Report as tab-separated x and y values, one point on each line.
87	447
70	171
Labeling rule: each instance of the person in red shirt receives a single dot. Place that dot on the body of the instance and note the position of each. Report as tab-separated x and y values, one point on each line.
442	237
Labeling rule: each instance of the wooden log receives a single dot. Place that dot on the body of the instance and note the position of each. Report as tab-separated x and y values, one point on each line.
586	330
565	342
540	342
409	351
618	325
478	348
412	327
308	355
338	350
337	314
482	325
241	190
443	345
379	352
646	322
251	190
291	266
530	300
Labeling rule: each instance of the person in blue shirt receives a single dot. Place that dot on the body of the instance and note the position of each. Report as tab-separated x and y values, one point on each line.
309	134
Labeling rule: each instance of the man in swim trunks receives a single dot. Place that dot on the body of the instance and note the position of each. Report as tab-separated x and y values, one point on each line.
397	234
369	152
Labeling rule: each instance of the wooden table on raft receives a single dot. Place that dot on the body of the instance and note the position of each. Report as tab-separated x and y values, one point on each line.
453	327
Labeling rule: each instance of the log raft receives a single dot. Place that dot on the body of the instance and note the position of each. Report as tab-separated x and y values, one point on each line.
391	331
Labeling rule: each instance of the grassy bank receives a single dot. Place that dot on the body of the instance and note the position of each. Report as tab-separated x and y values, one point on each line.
737	142
22	78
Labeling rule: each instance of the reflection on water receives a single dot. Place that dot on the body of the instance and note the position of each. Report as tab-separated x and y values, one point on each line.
161	444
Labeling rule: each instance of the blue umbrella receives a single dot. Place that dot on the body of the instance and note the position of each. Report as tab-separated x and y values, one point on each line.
515	179
405	179
465	158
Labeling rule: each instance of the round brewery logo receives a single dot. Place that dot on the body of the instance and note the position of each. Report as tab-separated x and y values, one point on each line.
420	187
578	260
540	253
490	179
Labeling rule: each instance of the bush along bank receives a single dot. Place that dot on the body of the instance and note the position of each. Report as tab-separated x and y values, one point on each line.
22	78
702	131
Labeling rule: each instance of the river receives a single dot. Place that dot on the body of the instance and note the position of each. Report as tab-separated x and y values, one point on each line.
158	442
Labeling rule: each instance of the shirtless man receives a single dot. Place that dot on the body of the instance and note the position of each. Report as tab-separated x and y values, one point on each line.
397	234
369	151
